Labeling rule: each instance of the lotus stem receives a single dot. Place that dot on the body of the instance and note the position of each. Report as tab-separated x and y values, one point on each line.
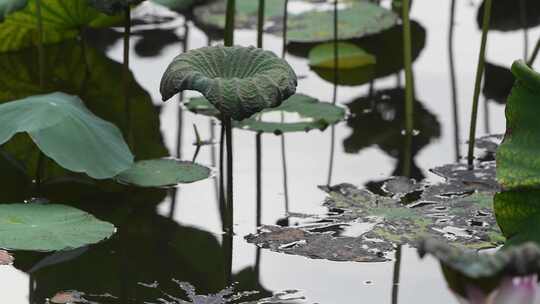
478	82
336	51
258	168
407	57
41	50
229	23
395	280
228	257
222	198
453	82
260	24
285	24
230	202
534	54
282	116
407	156
125	74
523	17
332	153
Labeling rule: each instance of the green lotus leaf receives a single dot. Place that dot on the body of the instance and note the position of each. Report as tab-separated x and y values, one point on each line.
313	114
238	81
349	56
112	7
62	20
67	132
201	105
49	227
518	214
465	268
163	172
518	161
356	20
9	6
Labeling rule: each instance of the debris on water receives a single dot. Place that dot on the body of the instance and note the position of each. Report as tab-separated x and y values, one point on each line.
67	297
6	258
489	143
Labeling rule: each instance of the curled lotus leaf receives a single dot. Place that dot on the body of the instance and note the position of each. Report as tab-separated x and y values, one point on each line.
112	7
518	161
238	81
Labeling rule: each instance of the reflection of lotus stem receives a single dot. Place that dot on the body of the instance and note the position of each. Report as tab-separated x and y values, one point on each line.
453	82
534	54
407	58
479	74
260	24
229	23
125	74
41	51
230	202
395	280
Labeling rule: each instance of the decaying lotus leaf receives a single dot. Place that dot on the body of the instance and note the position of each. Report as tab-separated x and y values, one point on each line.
6	258
238	81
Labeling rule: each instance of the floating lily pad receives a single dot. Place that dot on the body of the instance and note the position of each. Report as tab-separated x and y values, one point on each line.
313	113
62	20
349	56
356	20
45	227
9	6
163	172
518	156
238	81
66	131
113	7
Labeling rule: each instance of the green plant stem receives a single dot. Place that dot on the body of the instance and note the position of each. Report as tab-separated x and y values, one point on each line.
407	155
336	51
230	201
478	81
535	53
229	22
125	73
453	82
285	24
332	153
222	198
41	50
395	280
282	116
228	257
407	58
258	168
523	17
260	24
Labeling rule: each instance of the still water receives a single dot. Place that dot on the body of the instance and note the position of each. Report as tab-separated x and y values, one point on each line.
181	237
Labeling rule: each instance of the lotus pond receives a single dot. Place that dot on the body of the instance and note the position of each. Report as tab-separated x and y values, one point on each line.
309	152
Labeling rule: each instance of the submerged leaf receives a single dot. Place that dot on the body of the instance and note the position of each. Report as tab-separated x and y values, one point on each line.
45	227
518	157
62	20
162	173
349	56
66	131
238	81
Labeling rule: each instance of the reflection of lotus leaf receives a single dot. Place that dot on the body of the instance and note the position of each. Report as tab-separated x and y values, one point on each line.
349	56
238	81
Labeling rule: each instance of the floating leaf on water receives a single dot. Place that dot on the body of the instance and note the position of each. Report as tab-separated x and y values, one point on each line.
356	20
313	114
511	15
6	258
9	6
67	132
517	156
238	81
163	172
62	20
44	227
349	56
113	7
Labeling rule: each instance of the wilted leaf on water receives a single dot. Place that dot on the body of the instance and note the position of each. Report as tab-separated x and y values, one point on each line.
9	6
62	20
464	269
238	81
163	173
518	157
67	132
113	7
45	227
511	15
6	258
349	56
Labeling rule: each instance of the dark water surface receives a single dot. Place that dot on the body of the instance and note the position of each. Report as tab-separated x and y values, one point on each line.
181	237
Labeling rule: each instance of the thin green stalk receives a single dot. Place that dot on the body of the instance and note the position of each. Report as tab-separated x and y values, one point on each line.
453	82
407	58
336	51
282	116
478	82
395	280
125	73
332	153
535	53
285	24
523	17
407	156
222	198
229	23
41	50
258	168
260	24
228	257
230	200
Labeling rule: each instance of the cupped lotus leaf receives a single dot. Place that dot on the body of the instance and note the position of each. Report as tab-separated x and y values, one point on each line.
313	114
201	105
67	132
112	7
62	20
349	56
9	6
49	227
238	81
355	20
163	172
518	157
464	269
